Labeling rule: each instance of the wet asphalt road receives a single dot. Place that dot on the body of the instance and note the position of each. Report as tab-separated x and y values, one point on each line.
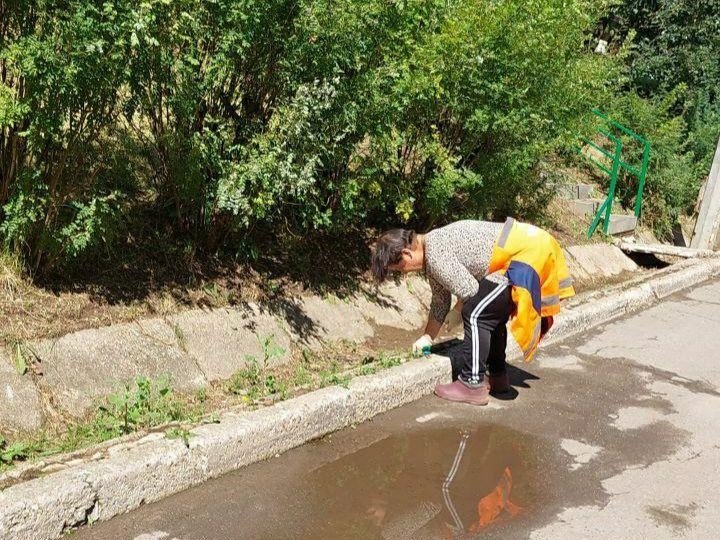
612	435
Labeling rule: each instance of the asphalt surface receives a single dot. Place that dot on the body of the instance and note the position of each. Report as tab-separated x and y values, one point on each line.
615	434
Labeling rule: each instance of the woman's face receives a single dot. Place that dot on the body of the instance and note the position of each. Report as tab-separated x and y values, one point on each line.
407	262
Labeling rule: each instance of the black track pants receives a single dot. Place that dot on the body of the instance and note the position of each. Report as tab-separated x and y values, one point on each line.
485	316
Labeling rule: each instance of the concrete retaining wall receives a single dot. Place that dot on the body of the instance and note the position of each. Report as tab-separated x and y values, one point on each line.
118	478
200	346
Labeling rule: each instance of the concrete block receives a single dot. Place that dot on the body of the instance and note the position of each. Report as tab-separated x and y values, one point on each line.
620	224
221	339
601	260
584	190
574	191
676	281
43	508
572	321
393	305
240	439
20	409
331	319
585	207
372	395
145	472
83	366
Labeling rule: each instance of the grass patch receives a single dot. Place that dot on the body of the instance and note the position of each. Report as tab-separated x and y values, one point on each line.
337	365
11	280
148	404
140	406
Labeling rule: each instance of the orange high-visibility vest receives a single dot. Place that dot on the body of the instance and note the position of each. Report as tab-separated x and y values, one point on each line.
534	264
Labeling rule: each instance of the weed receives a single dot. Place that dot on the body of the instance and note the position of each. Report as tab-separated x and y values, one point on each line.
308	356
201	395
11	281
383	361
216	295
179	433
247	379
270	348
181	338
331	378
368	370
18	451
350	345
253	382
301	377
19	359
145	404
390	361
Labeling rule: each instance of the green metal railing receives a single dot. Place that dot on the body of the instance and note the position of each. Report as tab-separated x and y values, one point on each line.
617	164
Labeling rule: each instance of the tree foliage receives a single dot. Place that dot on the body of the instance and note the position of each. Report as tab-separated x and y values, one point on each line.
671	94
303	115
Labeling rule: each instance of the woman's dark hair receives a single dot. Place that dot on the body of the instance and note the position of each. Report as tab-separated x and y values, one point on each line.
388	250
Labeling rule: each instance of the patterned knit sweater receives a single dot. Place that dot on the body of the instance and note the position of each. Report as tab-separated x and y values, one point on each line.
456	258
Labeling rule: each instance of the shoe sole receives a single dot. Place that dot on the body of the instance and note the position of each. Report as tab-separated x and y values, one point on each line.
459	400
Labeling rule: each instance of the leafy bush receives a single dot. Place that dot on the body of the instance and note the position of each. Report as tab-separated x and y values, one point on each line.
670	95
673	177
221	117
62	70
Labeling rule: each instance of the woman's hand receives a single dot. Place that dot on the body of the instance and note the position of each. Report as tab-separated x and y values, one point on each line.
422	346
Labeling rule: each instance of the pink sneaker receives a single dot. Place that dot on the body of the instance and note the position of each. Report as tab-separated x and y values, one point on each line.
457	391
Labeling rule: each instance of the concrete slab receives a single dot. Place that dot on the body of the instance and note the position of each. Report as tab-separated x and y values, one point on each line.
81	367
332	319
574	191
20	408
585	207
220	340
393	304
706	235
601	260
578	273
621	224
664	249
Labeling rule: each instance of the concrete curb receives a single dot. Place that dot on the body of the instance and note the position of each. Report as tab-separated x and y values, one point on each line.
126	475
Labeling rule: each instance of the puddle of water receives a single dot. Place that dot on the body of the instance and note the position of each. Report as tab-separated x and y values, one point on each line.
426	484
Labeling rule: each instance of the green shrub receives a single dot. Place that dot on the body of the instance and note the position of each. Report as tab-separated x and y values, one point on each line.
674	174
227	116
670	94
63	68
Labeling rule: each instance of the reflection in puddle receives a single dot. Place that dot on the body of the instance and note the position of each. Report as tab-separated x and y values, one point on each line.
427	484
